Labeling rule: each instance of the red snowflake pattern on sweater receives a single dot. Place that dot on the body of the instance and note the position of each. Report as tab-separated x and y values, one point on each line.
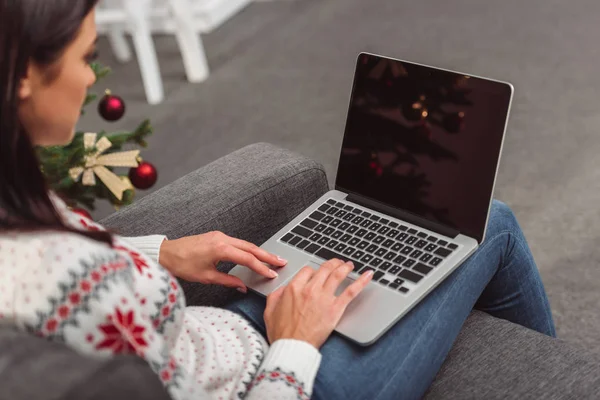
122	335
278	375
140	264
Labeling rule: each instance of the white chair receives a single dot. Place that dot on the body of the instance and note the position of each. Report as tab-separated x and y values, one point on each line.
117	17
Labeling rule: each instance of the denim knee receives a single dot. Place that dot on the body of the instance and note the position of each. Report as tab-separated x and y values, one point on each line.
501	219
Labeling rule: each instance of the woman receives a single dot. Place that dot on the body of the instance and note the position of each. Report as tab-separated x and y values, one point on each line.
65	278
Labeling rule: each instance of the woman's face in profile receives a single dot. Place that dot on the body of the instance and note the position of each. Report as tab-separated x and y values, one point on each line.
50	98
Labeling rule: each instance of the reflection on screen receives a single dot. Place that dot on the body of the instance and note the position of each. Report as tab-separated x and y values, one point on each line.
424	140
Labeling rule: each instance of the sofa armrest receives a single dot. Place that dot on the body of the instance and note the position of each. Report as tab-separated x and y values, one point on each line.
249	194
495	359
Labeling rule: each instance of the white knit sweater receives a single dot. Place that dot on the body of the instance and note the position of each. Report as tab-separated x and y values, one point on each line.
103	301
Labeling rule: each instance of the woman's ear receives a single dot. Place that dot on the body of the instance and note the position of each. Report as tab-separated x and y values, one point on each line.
26	85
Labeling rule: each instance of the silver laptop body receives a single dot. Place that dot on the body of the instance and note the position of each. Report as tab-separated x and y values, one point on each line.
438	225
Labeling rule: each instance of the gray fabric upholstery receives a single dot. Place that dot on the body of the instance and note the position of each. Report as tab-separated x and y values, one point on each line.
250	194
496	359
32	368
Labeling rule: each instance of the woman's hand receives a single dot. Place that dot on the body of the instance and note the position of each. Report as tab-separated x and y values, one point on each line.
195	258
307	308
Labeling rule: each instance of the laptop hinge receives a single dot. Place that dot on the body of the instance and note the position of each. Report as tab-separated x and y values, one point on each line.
403	215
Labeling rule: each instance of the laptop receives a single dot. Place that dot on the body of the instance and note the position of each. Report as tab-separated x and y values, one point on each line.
413	189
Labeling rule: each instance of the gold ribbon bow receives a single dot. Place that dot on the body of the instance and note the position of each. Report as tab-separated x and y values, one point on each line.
95	164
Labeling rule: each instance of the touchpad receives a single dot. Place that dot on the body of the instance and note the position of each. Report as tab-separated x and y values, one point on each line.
345	283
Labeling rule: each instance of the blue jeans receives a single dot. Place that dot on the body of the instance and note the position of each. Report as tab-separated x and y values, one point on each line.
500	278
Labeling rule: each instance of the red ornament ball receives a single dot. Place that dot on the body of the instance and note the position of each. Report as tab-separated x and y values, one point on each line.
111	107
82	212
144	176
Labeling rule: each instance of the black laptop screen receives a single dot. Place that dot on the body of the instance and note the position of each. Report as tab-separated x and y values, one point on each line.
424	140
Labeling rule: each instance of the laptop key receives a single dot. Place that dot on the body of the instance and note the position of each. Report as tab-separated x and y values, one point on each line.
303	244
383	230
315	237
379	239
374	217
410	276
453	246
403	289
309	223
327	219
435	261
331	201
340	204
402	236
407	250
293	241
442	242
403	228
343	226
399	259
399	281
397	246
376	262
388	243
422	268
358	220
370	235
348	251
354	241
332	243
302	231
395	269
340	247
412	231
365	269
430	247
384	221
426	257
385	266
384	282
432	239
393	224
348	208
286	238
366	223
352	229
345	238
337	234
341	213
358	254
366	214
329	230
390	255
316	215
377	275
442	252
363	245
332	210
324	207
366	258
392	233
416	254
312	248
371	248
323	241
375	226
348	217
381	252
411	240
420	244
320	228
409	263
422	235
335	223
394	285
361	232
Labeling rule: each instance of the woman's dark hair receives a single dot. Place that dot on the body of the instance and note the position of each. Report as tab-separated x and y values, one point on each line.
35	31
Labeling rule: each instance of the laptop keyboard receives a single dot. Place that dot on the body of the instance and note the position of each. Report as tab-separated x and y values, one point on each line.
399	256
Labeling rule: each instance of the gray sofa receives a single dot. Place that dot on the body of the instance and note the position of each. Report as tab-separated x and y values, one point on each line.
267	186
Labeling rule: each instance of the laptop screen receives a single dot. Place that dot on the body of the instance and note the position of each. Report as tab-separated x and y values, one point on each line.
424	140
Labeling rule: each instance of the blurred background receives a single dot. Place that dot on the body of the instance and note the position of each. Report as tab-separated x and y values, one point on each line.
281	72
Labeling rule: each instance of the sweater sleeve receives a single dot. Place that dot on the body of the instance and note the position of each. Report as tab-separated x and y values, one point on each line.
87	301
288	371
149	245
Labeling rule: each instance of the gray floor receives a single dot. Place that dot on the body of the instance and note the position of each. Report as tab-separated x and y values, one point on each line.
281	72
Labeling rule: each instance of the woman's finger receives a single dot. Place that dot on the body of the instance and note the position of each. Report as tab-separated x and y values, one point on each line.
302	277
238	256
220	278
327	268
336	277
260	254
353	290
